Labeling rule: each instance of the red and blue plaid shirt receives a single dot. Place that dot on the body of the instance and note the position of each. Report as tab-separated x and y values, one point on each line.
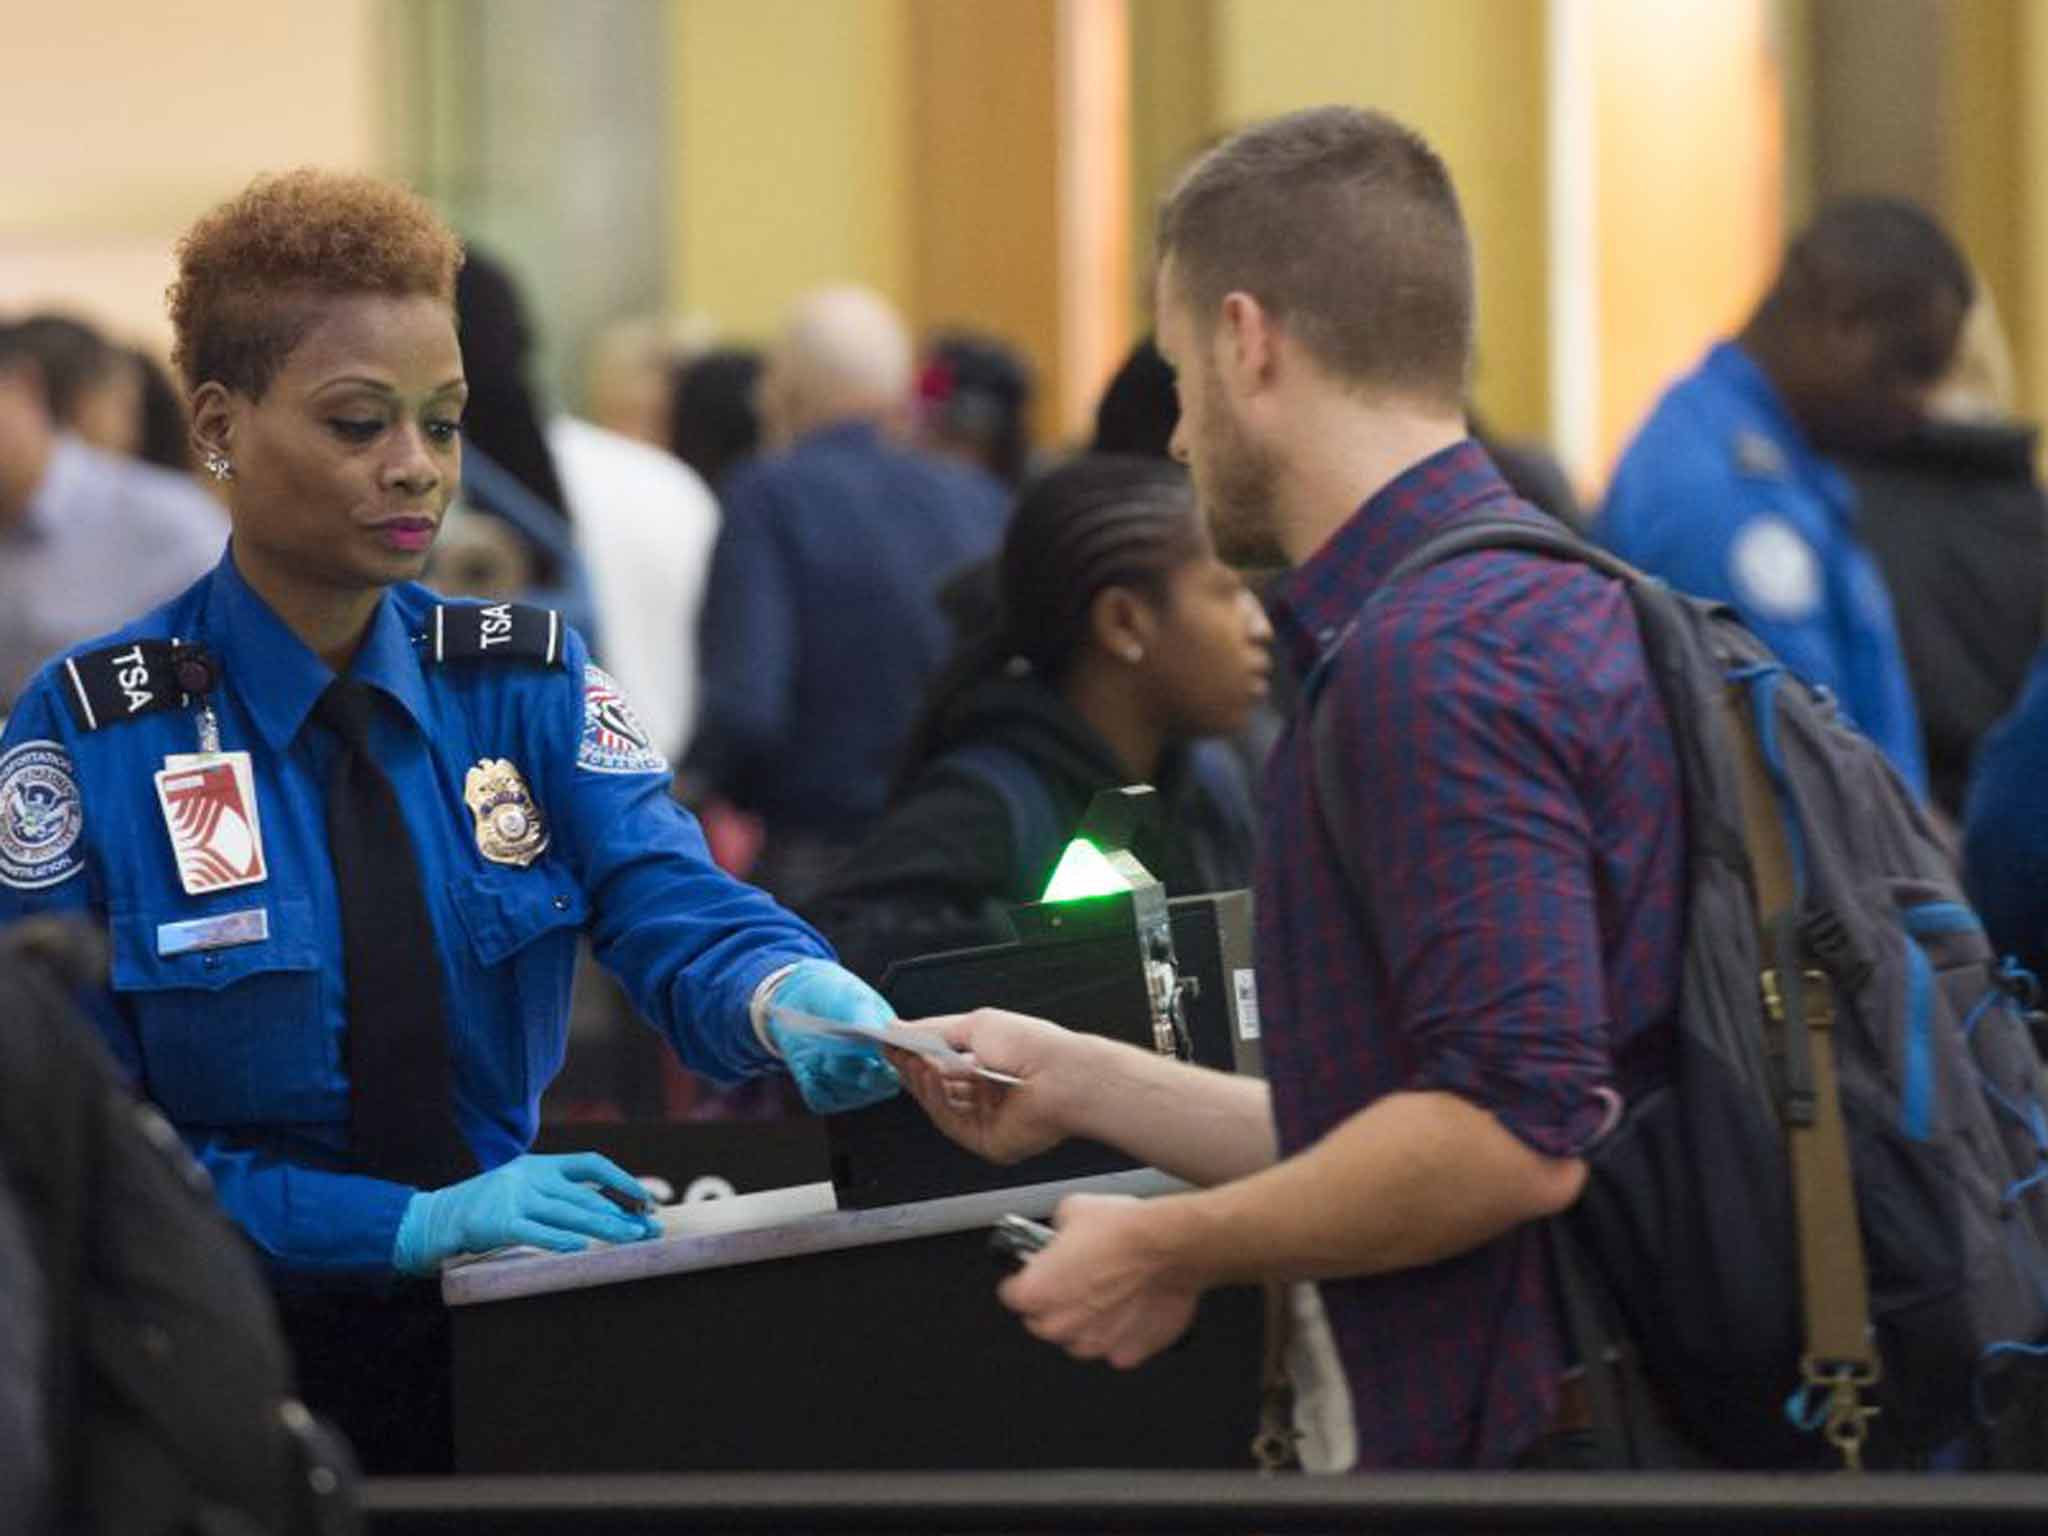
1518	798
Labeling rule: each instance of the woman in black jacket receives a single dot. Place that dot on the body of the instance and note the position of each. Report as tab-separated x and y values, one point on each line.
1118	643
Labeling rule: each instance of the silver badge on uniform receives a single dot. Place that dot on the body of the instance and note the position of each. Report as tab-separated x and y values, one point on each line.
509	826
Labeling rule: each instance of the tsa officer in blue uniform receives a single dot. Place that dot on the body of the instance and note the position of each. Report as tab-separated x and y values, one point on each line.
1728	492
344	838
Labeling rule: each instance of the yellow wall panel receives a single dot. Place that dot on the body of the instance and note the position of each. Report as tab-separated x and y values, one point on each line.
2027	308
792	141
1985	203
986	214
1173	113
125	121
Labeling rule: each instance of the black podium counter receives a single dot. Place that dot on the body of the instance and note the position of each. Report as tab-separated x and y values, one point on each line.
773	1332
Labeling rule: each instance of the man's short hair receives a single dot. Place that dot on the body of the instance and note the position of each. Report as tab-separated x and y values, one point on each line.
1344	225
1876	253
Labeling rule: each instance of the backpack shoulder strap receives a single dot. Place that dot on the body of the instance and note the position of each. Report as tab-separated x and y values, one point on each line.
1839	1364
1510	533
1035	827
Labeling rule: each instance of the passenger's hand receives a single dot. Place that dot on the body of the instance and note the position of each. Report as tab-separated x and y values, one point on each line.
832	1075
545	1201
1103	1289
1000	1122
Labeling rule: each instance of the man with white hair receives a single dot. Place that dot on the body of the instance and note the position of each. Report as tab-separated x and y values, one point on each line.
821	623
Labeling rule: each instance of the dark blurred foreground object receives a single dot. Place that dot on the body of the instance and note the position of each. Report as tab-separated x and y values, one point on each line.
1959	524
164	1386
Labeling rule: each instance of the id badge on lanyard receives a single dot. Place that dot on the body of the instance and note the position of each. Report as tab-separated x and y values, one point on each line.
208	799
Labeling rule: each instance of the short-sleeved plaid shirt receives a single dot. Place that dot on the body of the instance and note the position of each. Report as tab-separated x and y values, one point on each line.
1519	801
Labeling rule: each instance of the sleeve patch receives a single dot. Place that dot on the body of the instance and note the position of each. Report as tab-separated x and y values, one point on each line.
41	817
614	740
1775	571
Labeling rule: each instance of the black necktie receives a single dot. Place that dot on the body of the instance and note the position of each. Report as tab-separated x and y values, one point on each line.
401	1091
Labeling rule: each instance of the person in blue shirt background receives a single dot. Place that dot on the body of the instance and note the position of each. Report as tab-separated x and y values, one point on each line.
2005	827
1728	492
176	783
821	622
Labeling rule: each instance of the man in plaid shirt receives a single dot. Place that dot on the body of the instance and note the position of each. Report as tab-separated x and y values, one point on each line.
1444	1040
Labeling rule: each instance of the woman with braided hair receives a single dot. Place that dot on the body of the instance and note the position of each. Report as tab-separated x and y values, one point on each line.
1118	643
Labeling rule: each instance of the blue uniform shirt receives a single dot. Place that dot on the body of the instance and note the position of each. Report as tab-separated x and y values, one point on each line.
2005	835
242	1045
1721	495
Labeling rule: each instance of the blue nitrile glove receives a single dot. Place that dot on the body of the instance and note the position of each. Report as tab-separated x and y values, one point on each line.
832	1075
545	1200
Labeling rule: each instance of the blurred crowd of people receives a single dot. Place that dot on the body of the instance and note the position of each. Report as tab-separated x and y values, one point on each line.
792	557
839	597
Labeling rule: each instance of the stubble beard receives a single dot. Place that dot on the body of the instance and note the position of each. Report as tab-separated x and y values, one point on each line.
1237	495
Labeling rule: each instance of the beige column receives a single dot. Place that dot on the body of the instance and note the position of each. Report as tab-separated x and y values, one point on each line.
1019	214
1688	190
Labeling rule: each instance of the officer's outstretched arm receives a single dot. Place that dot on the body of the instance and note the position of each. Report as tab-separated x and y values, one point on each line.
693	946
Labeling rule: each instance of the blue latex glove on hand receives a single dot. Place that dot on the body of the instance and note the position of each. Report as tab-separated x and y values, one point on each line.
545	1201
832	1075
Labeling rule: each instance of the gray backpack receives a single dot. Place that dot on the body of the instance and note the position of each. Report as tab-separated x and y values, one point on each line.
1828	1223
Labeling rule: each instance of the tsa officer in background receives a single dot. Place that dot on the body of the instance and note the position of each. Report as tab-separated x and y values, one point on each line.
1728	490
344	837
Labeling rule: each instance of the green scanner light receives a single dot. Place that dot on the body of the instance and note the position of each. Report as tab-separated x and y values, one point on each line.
1083	873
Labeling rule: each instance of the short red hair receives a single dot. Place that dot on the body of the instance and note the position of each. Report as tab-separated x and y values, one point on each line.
249	271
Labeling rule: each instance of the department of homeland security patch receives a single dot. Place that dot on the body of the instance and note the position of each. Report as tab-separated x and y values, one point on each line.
41	816
614	740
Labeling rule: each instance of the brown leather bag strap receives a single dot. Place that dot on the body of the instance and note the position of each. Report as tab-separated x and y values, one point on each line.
1840	1357
1275	1445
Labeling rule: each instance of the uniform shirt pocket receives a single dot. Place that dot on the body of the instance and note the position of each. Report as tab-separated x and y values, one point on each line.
523	927
231	1035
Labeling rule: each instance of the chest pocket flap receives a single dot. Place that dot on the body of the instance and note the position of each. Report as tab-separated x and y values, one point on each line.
142	939
230	1035
506	912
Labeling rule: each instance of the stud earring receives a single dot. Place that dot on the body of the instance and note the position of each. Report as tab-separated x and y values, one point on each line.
1134	654
217	465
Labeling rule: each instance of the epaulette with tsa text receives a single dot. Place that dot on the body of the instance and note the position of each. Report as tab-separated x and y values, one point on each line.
495	632
122	682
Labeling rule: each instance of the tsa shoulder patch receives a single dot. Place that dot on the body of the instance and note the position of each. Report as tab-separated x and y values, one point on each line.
614	740
497	632
119	682
41	817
